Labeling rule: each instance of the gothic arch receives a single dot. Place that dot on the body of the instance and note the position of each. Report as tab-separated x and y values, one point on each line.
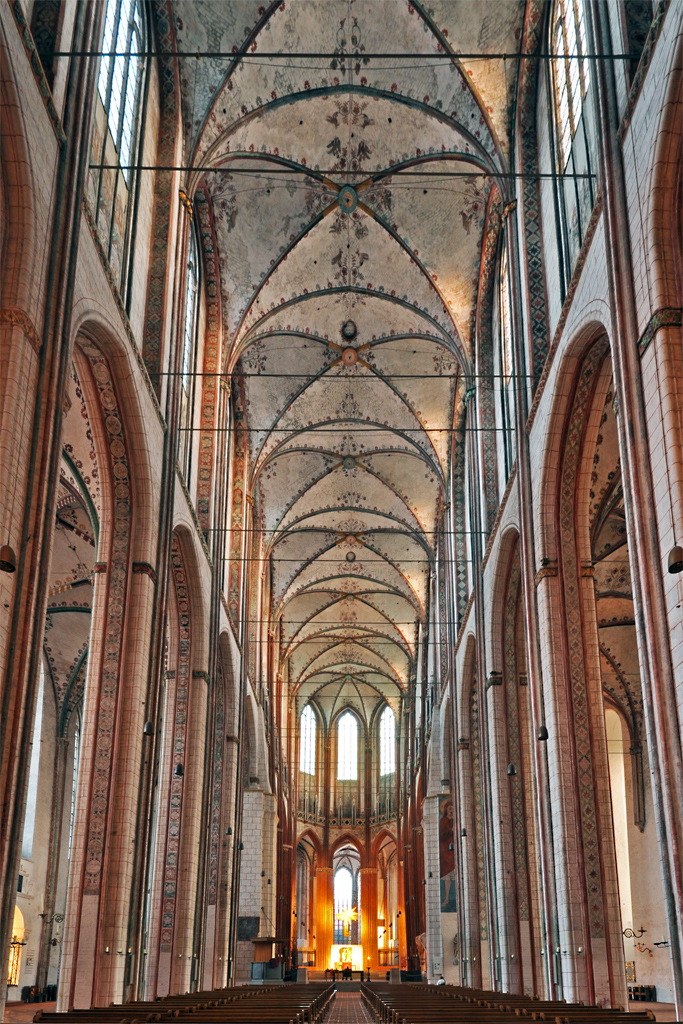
96	340
665	226
554	438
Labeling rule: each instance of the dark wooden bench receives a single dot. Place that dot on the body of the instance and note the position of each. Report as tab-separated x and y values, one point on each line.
429	1004
273	1004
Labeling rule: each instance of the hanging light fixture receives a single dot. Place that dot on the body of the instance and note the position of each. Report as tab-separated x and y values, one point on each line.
8	560
512	770
675	559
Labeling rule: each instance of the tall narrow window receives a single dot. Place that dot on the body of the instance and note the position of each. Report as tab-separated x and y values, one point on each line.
307	741
120	73
387	742
347	747
189	358
115	134
572	70
506	363
34	772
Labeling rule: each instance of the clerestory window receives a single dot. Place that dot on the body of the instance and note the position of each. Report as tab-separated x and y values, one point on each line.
347	747
117	137
572	70
307	741
120	73
188	378
387	742
506	363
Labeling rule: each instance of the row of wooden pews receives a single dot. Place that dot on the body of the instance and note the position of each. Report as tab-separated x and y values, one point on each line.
272	1004
447	1004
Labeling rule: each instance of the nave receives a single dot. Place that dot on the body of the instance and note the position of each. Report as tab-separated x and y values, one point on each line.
341	517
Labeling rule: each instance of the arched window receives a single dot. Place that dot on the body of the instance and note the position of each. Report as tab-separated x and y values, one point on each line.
189	358
116	137
307	742
347	747
387	742
572	70
119	77
506	363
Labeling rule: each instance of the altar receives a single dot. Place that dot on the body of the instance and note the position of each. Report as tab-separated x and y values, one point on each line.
345	956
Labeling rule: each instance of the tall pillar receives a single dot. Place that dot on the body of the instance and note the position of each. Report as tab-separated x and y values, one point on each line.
432	887
368	909
324	917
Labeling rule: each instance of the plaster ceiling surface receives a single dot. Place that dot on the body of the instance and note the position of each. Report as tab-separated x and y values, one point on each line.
349	213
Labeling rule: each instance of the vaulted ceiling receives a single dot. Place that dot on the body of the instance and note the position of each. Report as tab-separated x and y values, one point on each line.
349	215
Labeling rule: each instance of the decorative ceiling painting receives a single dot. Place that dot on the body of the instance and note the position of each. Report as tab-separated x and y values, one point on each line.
349	207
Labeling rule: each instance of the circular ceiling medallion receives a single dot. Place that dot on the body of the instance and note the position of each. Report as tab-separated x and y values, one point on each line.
349	356
350	556
347	198
349	462
349	330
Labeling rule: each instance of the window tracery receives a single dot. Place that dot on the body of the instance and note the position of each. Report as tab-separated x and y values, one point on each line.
387	742
506	362
187	390
347	747
116	136
120	73
307	746
572	70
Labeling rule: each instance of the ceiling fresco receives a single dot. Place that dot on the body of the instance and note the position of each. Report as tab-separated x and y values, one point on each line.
349	204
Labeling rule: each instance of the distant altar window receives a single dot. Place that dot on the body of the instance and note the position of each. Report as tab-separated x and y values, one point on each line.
307	741
387	742
347	747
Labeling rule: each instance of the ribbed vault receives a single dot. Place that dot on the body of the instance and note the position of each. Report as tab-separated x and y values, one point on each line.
349	212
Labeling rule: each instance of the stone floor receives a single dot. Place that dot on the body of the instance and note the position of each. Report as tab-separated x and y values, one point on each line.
348	1009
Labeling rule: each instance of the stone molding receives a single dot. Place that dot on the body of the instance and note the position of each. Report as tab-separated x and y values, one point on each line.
144	568
499	515
37	69
566	307
667	316
16	317
544	572
643	65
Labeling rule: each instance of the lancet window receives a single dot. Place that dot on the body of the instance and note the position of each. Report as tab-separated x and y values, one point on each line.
307	747
387	742
347	747
572	70
189	357
119	77
506	363
116	136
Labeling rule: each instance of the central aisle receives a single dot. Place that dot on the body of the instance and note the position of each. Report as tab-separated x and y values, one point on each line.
348	1008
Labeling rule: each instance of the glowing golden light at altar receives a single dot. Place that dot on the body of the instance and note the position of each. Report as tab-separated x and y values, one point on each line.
342	957
346	917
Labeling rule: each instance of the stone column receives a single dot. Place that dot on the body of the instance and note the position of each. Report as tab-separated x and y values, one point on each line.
324	916
368	910
432	887
506	953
